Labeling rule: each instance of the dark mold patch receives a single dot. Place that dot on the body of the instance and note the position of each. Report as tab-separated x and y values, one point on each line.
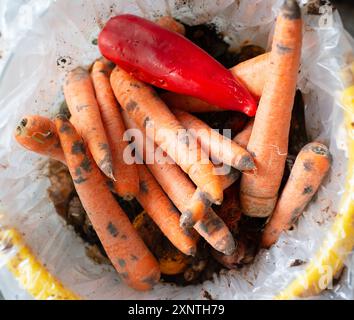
112	229
78	147
131	105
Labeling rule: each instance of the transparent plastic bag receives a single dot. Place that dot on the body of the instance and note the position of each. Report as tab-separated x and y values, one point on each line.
42	40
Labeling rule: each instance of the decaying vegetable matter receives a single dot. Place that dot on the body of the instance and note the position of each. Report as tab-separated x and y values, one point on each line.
181	218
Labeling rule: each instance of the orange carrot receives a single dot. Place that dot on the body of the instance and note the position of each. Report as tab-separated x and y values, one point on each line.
147	110
220	148
243	137
127	179
159	207
252	73
269	139
127	252
80	97
171	24
198	205
310	167
180	190
38	134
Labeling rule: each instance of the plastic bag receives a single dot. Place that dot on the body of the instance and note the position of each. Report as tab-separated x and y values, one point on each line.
45	39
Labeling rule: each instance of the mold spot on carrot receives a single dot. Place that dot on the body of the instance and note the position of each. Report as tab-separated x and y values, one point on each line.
103	146
79	180
308	190
122	262
247	163
143	187
151	281
86	164
133	257
295	214
65	128
78	171
291	10
124	237
78	147
131	106
283	49
112	229
81	107
217	224
308	165
24	122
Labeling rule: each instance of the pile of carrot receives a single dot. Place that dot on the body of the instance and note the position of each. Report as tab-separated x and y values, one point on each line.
175	190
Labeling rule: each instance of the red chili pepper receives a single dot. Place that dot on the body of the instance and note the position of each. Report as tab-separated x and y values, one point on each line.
168	60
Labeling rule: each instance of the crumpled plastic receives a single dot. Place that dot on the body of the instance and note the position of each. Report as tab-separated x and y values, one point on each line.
42	40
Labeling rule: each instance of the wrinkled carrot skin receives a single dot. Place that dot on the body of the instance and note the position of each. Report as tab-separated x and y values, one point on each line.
219	147
80	97
39	134
171	24
270	134
309	170
252	73
164	213
180	190
127	178
147	110
243	137
127	252
198	206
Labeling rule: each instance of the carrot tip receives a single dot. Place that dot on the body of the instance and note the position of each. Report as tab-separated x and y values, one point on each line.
291	10
246	163
186	220
227	245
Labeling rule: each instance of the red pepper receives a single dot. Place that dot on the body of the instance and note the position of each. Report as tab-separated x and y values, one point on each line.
168	60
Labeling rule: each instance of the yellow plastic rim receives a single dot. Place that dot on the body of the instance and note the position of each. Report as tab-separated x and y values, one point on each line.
328	262
29	272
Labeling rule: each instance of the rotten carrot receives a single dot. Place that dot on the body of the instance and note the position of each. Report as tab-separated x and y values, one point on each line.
219	147
80	97
180	190
243	137
270	134
144	106
198	205
127	252
39	134
162	211
310	167
127	179
171	24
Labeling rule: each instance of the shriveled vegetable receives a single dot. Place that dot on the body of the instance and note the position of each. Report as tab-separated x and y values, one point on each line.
38	134
85	115
127	252
148	111
310	167
180	190
126	175
270	134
